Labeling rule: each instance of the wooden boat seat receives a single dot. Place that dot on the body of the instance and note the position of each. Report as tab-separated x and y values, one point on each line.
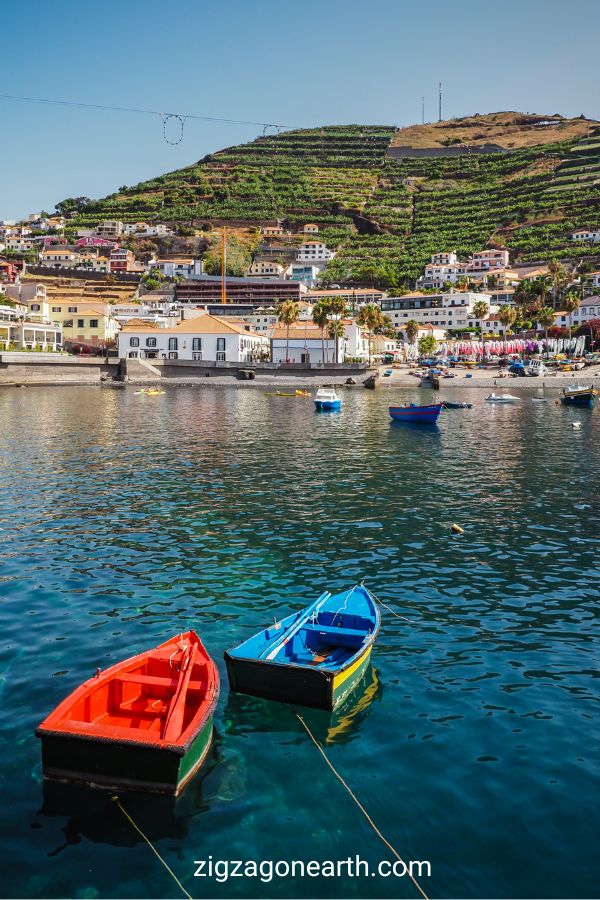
333	631
157	681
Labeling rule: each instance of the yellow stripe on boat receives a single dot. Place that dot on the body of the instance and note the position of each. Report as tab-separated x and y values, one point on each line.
338	680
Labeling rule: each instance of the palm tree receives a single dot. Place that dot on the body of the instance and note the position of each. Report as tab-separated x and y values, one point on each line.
335	330
480	311
507	316
370	317
320	316
288	313
411	330
541	286
545	317
571	302
560	278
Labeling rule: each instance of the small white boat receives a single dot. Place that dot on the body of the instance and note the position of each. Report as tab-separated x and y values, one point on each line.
539	399
535	367
502	398
327	398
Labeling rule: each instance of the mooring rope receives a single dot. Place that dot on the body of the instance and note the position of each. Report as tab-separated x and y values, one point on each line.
360	806
153	848
389	608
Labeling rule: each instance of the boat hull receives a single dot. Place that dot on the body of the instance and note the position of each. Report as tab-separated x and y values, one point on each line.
412	414
327	405
97	762
303	685
144	724
578	400
314	657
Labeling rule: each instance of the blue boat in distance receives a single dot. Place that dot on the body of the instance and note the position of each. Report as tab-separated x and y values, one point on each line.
314	657
410	412
579	396
327	399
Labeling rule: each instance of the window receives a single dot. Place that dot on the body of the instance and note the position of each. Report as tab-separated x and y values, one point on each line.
220	356
93	323
197	355
173	355
72	309
172	346
35	307
81	323
56	309
197	344
134	342
151	342
221	344
68	323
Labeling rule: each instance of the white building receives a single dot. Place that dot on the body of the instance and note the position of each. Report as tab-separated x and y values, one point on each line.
439	310
110	228
314	251
305	273
59	258
589	309
19	244
203	338
305	344
310	229
446	267
142	229
586	234
266	268
185	268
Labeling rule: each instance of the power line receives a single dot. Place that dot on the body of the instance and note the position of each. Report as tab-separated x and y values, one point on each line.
148	112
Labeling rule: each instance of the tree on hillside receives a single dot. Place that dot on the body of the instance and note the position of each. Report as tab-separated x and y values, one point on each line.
72	205
546	316
411	330
320	315
541	286
288	313
335	330
507	316
427	344
570	302
370	318
480	311
560	278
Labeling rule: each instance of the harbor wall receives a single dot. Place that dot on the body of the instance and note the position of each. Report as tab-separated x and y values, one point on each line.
50	368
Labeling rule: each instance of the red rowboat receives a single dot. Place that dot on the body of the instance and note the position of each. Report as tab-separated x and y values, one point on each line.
143	724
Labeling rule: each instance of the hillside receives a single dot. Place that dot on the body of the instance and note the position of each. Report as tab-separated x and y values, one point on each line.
385	216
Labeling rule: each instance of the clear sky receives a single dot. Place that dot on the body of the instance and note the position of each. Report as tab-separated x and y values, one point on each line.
306	63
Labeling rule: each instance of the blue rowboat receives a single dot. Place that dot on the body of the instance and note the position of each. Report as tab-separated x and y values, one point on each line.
414	413
314	657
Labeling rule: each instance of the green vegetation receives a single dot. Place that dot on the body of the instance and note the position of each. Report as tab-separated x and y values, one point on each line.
386	216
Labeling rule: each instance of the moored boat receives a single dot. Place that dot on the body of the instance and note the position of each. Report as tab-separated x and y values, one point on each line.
144	724
413	413
502	398
371	381
327	399
314	657
579	396
448	404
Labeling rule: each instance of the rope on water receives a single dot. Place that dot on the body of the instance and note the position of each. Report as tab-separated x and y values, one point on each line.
389	608
153	848
360	806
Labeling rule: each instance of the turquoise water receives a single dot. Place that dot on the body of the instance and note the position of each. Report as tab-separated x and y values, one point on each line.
473	742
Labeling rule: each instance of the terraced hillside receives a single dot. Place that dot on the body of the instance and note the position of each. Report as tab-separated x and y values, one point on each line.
385	216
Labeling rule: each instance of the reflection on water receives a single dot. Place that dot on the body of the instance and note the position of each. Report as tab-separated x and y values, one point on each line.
472	739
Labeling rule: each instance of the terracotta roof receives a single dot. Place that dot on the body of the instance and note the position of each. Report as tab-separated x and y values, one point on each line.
201	324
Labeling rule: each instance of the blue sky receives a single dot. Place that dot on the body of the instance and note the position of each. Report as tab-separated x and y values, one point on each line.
302	64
